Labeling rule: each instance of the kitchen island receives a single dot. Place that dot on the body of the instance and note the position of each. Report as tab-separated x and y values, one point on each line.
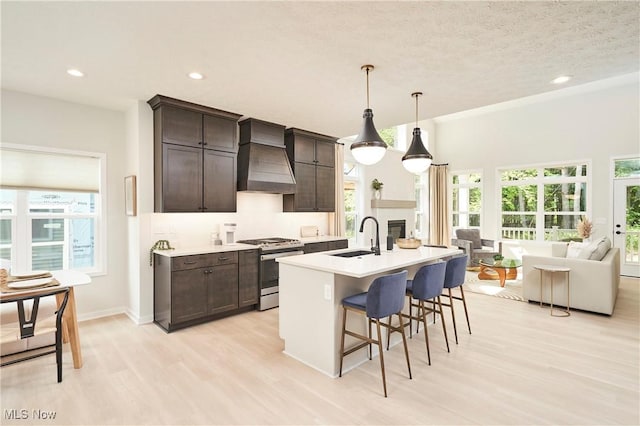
312	287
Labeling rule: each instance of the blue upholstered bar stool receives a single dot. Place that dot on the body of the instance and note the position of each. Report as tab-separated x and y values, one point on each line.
454	277
384	298
426	287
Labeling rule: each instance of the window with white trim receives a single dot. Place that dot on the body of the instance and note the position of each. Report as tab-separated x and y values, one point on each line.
543	202
466	200
421	194
51	228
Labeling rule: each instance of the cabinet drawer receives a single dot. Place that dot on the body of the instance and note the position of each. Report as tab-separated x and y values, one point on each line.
316	247
190	262
203	260
223	258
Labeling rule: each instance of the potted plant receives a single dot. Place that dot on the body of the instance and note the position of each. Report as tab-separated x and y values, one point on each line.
377	187
498	258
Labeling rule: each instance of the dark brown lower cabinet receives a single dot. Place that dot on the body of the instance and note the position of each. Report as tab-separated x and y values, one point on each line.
222	288
193	289
188	294
325	246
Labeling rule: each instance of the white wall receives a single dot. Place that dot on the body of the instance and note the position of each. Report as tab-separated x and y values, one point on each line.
39	121
398	185
593	122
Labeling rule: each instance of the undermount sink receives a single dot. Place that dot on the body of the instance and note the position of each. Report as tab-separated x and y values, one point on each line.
354	253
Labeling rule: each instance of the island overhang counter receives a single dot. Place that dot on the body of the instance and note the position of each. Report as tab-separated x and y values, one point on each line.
312	287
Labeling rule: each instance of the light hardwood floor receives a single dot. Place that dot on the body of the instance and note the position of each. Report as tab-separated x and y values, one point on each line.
520	366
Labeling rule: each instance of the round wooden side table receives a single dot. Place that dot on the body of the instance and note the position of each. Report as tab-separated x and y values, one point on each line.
551	270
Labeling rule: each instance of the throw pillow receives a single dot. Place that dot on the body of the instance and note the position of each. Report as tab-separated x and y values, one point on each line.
595	250
574	248
472	235
601	249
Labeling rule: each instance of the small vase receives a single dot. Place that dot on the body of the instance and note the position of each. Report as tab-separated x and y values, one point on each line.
377	194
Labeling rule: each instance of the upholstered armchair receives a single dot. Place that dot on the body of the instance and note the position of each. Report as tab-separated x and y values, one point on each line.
475	248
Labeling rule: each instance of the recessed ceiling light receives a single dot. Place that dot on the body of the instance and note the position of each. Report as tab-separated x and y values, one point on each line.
196	75
561	79
75	72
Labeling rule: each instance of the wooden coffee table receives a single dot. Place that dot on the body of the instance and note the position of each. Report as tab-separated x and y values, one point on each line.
505	269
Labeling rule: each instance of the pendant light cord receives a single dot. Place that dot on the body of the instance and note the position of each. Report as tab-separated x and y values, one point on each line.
415	95
416	111
367	70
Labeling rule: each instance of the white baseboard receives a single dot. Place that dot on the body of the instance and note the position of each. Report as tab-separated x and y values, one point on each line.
138	320
100	314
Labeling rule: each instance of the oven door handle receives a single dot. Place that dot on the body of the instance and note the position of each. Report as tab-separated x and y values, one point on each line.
277	255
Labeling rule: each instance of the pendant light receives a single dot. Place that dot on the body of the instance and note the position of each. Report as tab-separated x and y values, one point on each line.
368	148
417	159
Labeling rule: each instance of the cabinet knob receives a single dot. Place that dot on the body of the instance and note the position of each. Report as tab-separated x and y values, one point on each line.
222	259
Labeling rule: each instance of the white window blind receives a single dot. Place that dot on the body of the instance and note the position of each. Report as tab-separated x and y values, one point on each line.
33	170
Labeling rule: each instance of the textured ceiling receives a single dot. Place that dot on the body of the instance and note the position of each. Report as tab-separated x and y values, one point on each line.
298	63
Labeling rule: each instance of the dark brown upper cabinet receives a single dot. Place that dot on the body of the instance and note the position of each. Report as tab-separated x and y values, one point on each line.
195	157
312	158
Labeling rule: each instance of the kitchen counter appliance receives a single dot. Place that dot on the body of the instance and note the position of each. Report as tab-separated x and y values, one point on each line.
271	249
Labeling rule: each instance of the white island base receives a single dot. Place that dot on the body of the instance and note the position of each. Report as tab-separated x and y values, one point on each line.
312	287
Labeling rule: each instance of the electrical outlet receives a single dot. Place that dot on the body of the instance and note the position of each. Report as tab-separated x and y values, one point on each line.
327	292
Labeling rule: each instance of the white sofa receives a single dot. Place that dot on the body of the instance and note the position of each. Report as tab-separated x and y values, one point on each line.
593	283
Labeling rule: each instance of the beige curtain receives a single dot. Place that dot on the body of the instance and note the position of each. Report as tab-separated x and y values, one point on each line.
438	205
336	220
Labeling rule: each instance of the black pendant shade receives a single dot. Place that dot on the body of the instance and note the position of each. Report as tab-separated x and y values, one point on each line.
417	149
417	159
368	148
368	135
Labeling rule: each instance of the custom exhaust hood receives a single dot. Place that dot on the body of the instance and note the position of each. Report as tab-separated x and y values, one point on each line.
263	165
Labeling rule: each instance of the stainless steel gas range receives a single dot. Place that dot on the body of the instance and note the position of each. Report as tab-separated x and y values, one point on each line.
270	250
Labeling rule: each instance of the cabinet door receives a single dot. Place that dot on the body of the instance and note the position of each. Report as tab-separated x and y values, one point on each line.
305	196
220	133
188	295
248	277
222	288
325	153
181	178
181	127
316	247
326	189
340	244
305	149
219	181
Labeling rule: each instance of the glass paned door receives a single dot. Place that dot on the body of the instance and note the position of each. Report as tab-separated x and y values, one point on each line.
626	231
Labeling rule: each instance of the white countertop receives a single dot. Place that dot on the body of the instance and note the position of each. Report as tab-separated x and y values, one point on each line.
369	264
321	239
187	251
